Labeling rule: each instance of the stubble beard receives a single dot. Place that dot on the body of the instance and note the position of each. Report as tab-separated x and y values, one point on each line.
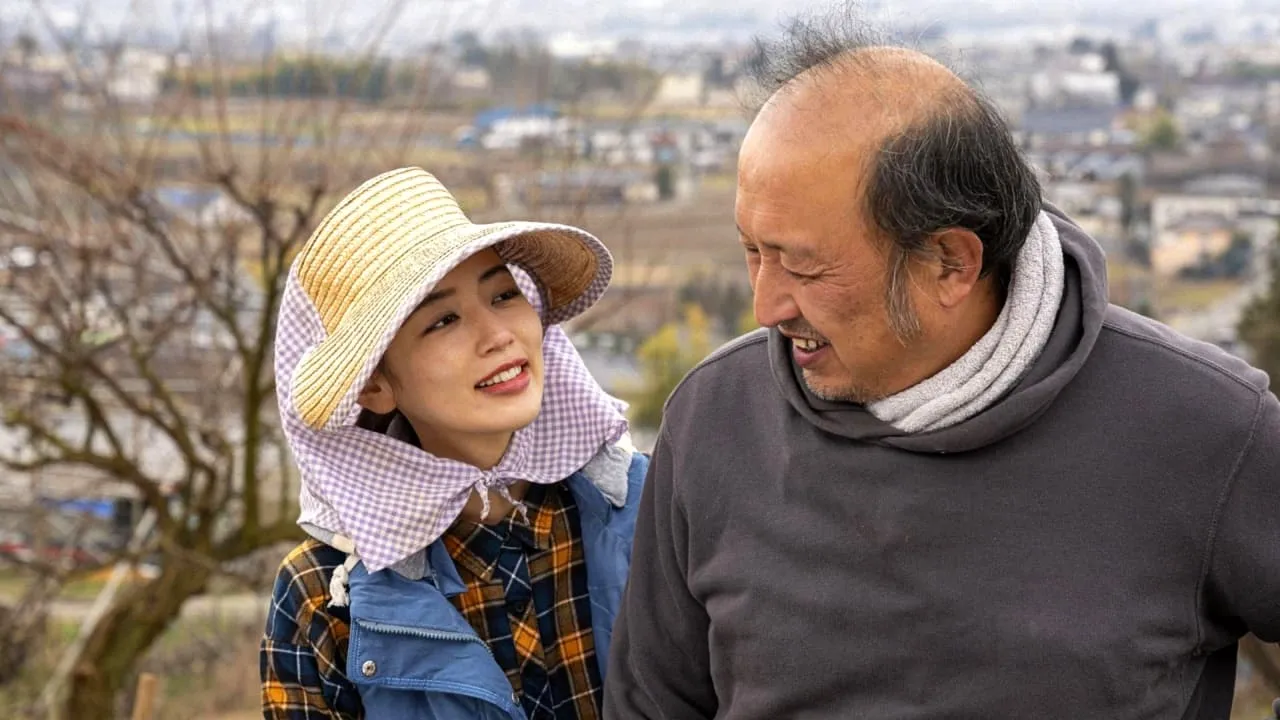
851	393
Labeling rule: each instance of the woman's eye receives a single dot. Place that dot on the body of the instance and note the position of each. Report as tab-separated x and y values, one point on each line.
507	296
443	322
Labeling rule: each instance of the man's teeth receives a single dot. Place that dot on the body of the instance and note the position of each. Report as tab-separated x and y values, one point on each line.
505	375
808	345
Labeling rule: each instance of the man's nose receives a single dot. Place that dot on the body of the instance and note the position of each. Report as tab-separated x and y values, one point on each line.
772	302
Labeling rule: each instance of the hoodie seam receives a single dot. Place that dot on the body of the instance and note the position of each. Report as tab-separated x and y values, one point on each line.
1184	353
1215	522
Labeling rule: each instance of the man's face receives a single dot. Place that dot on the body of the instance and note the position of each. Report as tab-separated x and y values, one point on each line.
818	265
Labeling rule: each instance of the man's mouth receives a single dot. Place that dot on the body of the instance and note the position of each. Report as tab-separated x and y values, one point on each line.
505	374
808	345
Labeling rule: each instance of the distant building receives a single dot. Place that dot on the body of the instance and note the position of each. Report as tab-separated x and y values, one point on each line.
1169	209
587	186
510	128
1192	240
1075	81
1080	126
1227	185
201	207
1211	111
626	316
137	76
680	90
468	79
1088	165
24	88
1184	227
1095	207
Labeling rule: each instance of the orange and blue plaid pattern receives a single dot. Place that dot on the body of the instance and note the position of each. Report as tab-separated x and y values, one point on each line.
528	602
526	595
303	655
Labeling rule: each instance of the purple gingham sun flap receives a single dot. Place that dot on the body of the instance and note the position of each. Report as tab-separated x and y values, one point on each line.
392	499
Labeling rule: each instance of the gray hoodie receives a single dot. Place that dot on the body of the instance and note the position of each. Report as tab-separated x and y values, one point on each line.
1092	546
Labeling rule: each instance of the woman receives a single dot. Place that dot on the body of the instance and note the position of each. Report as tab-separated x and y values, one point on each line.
468	489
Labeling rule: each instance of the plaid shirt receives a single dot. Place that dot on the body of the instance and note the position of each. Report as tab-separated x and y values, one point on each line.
303	657
303	654
527	597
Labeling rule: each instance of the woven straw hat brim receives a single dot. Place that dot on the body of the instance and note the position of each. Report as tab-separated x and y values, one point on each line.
571	267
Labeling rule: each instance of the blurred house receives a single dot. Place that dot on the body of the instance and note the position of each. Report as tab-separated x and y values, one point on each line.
686	89
586	186
1192	240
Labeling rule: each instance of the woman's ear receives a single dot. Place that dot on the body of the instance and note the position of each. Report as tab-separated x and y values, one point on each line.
376	396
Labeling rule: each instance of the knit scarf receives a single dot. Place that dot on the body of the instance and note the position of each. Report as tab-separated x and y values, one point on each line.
998	361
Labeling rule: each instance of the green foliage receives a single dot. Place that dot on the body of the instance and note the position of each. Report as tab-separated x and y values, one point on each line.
723	298
1260	325
1162	135
665	179
665	358
1244	70
1127	190
302	77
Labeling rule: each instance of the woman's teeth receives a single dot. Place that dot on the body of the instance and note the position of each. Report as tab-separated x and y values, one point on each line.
505	375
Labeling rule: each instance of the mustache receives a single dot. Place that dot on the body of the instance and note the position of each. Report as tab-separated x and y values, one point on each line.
800	328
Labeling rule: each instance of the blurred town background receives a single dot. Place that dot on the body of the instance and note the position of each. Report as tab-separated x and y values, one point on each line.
161	161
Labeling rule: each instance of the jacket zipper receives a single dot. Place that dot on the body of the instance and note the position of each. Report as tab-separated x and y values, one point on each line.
424	633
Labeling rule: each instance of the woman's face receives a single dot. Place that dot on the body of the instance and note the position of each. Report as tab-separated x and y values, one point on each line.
466	368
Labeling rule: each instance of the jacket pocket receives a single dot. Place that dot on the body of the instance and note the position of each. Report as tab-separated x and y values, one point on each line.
404	671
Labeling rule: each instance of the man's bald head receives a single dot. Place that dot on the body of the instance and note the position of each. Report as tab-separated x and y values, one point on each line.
862	97
929	151
891	72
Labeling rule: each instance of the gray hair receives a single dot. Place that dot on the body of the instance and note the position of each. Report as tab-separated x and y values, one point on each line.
956	166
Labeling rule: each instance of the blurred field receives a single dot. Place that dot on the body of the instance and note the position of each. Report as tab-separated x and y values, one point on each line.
208	667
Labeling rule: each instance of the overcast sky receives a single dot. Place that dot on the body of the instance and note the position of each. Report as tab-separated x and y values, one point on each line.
649	19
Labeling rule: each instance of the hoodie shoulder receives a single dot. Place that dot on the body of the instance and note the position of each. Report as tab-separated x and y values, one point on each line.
728	380
1168	351
759	336
744	350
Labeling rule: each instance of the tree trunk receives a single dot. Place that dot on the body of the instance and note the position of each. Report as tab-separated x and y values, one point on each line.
122	637
25	625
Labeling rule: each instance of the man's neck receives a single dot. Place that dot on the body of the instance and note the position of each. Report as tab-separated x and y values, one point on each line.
976	323
948	343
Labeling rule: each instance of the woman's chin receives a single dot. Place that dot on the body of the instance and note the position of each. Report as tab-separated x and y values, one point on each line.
516	414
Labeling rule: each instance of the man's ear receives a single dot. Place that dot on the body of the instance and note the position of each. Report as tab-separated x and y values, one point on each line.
376	396
959	263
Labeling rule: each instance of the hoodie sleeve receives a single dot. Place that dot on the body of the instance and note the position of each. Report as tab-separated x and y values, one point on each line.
1243	583
659	665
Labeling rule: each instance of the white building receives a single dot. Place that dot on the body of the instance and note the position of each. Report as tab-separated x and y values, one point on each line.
680	90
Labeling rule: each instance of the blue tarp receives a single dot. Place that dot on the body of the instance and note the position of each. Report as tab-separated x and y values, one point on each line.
486	118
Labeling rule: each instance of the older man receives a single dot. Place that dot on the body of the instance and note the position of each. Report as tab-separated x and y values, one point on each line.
950	480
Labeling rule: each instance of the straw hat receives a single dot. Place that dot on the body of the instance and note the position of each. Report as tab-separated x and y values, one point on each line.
381	251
